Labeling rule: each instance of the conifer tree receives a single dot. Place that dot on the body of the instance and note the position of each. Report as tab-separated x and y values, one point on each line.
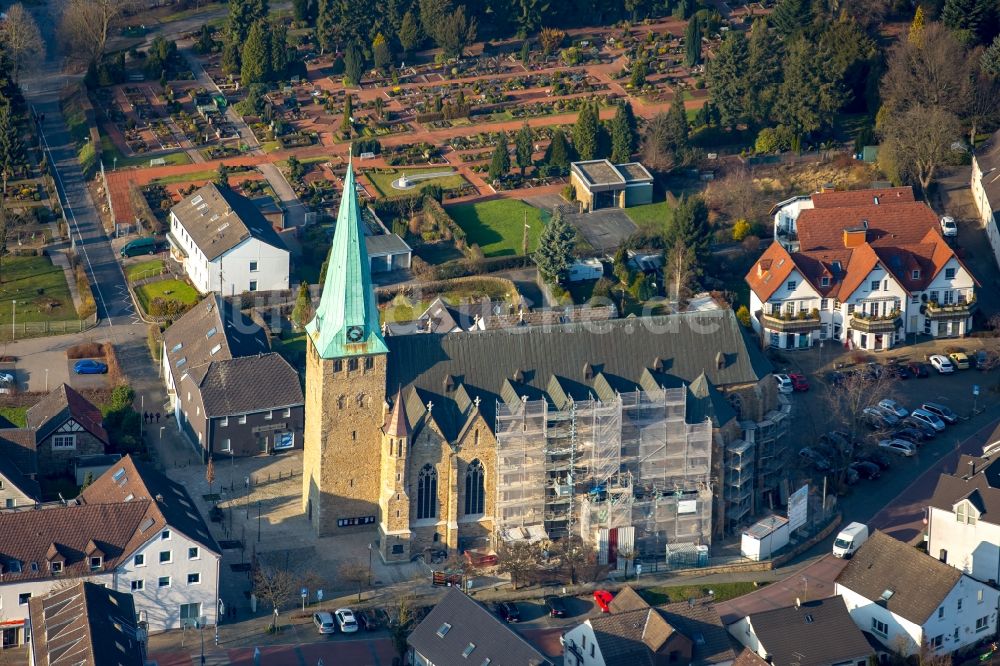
555	249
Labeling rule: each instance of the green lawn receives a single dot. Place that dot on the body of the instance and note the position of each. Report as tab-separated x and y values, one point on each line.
723	592
110	152
18	416
39	288
654	216
383	181
167	289
497	226
291	345
185	177
143	269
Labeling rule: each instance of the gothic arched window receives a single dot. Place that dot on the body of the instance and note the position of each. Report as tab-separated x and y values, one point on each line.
427	485
474	490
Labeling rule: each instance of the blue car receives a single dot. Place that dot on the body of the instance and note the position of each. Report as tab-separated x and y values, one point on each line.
90	367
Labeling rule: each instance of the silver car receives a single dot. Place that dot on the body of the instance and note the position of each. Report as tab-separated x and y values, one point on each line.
324	622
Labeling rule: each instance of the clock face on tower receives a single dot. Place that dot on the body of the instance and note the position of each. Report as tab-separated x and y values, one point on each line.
355	333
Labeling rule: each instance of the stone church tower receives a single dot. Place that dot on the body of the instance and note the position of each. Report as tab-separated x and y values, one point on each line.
345	387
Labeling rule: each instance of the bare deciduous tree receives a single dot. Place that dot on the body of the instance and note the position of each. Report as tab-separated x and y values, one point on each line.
982	106
86	25
353	572
933	72
680	274
919	141
20	38
577	558
273	586
516	558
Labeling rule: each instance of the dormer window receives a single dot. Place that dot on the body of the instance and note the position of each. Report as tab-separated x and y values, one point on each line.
966	513
824	281
915	274
56	567
96	562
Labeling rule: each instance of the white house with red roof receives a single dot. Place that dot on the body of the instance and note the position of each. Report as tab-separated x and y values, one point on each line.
864	268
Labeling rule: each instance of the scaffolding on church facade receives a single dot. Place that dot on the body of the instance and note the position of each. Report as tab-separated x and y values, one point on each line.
627	473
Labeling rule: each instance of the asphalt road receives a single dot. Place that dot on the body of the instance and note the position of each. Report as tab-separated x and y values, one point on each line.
42	88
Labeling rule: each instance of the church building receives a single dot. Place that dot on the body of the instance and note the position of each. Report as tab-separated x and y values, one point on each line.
646	435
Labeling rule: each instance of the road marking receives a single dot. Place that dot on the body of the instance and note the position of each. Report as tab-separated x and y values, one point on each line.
68	206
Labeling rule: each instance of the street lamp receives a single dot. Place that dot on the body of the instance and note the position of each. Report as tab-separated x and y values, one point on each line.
46	380
13	319
258	521
201	632
369	565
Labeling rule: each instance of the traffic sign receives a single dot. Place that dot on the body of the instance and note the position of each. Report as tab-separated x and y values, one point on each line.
975	389
304	592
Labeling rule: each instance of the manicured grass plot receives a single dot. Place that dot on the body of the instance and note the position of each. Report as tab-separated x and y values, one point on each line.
497	226
39	288
167	290
383	181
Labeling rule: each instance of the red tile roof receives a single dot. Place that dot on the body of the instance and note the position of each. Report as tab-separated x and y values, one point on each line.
846	198
60	405
899	224
902	237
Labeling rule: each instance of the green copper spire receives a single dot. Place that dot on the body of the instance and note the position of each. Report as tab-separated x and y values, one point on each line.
346	321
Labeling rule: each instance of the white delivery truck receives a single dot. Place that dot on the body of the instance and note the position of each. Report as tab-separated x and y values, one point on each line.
850	539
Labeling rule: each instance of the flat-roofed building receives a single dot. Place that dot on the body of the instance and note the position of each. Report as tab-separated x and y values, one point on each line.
601	184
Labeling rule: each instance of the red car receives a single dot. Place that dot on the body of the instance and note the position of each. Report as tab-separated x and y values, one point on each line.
603	598
799	382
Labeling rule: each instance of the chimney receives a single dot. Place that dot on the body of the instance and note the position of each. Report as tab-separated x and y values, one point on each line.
972	466
159	498
855	236
658	364
798	603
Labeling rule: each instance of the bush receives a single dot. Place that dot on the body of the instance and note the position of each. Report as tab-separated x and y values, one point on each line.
743	315
153	342
767	141
741	230
568	193
85	350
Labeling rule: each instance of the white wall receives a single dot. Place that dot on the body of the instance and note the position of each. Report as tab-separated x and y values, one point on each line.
583	637
973	549
742	631
271	273
11	493
979	194
159	606
977	601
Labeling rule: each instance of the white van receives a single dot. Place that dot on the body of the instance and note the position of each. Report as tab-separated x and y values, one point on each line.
849	540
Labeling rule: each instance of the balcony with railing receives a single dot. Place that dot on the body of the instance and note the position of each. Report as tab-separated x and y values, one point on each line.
786	322
961	310
867	323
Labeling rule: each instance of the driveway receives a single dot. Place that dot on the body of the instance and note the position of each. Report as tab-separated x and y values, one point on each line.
604	229
295	215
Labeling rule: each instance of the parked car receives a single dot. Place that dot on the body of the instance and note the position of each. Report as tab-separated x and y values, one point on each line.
911	435
784	383
556	606
899	371
948	227
866	470
88	366
851	476
931	419
877	458
507	610
835	378
898	446
879	418
960	360
919	370
929	431
372	619
890	405
942	364
838	440
139	246
603	598
324	622
815	459
943	411
346	621
799	382
7	378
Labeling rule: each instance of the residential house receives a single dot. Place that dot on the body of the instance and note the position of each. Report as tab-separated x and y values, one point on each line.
242	406
459	631
636	633
963	519
986	190
225	244
85	625
212	330
813	633
908	599
864	269
66	426
18	469
132	530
